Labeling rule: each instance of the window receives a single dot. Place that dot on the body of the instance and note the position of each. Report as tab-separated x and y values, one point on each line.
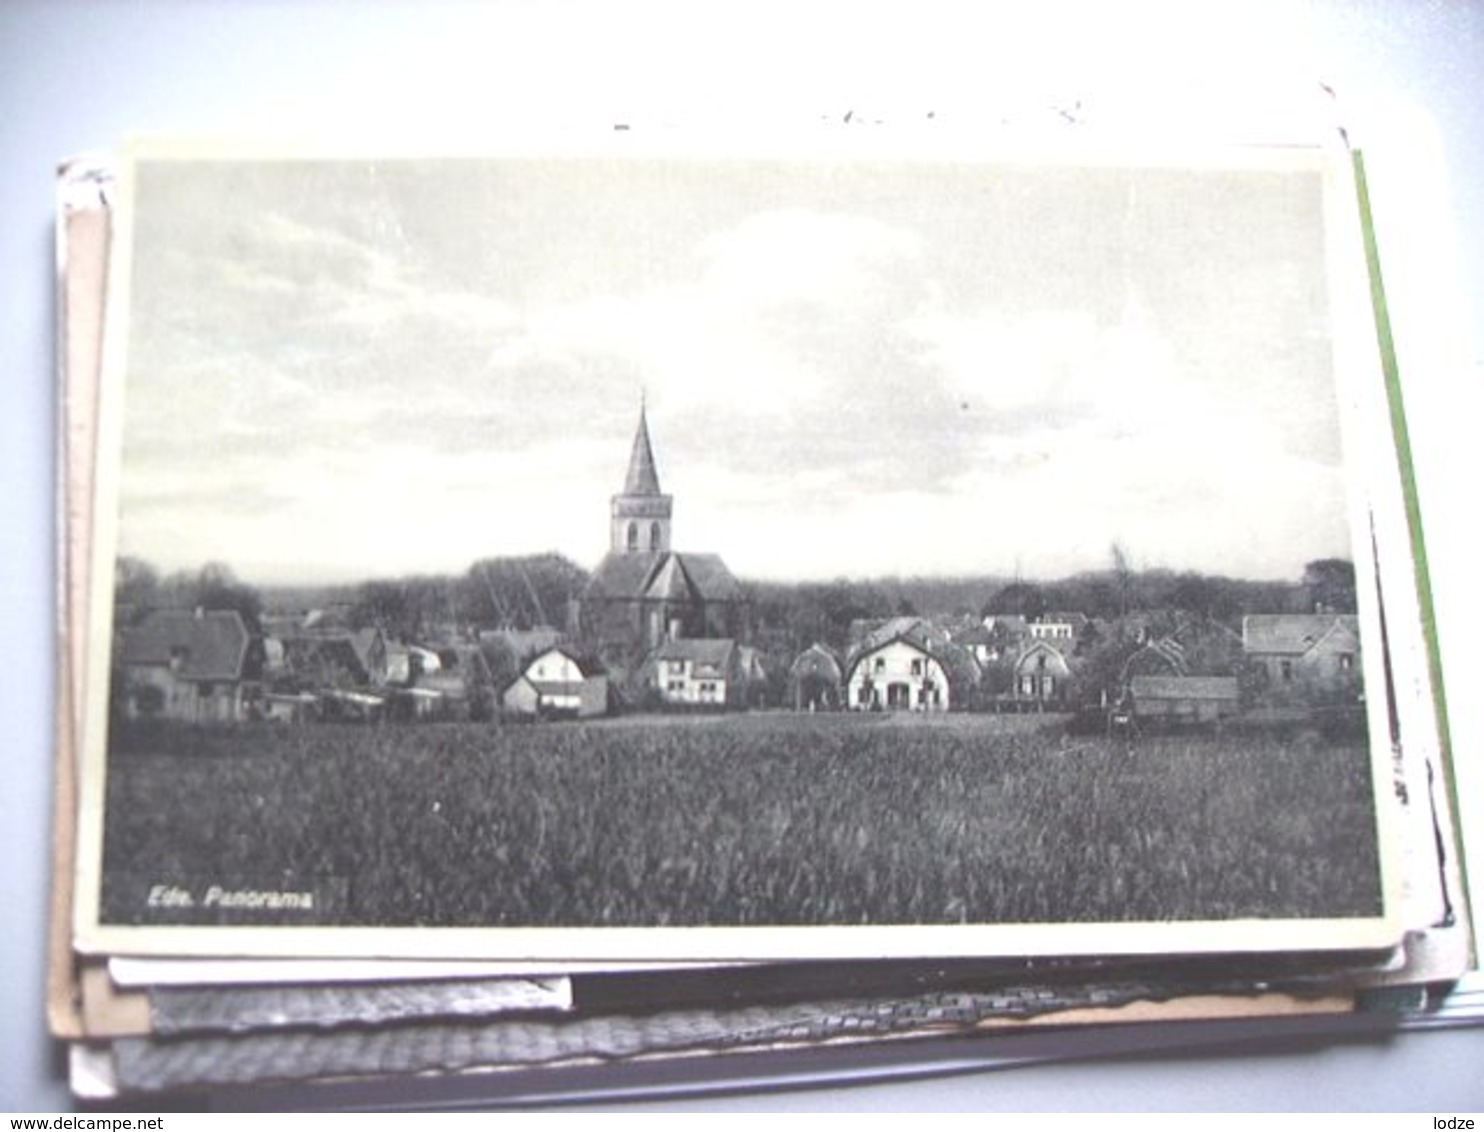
865	694
1285	669
654	536
675	667
675	686
1028	684
1347	661
917	667
880	664
633	538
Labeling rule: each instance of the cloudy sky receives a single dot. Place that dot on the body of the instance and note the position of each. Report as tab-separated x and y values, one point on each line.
341	370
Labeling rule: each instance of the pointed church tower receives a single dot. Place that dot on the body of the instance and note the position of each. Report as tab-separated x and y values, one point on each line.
641	513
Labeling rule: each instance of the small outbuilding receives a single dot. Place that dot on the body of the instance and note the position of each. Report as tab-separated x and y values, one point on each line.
815	680
1184	699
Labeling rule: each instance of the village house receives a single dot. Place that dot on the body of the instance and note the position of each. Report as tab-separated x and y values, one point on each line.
906	664
556	683
1041	677
1061	628
1304	658
643	593
197	666
698	672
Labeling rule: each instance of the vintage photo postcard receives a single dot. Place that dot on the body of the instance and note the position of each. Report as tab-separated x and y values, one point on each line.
648	552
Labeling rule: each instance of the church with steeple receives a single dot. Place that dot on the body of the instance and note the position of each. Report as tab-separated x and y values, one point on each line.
644	594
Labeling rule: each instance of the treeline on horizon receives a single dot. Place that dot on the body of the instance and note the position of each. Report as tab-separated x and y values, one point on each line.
536	590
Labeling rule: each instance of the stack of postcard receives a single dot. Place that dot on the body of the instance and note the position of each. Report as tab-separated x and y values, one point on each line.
641	615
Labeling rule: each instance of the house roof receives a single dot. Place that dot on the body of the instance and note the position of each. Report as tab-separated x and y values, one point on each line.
304	654
870	634
924	636
366	642
1042	648
209	645
1293	633
584	664
976	634
703	650
1184	688
1163	651
816	660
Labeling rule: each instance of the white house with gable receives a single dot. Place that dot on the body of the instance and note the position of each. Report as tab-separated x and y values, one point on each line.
900	673
556	683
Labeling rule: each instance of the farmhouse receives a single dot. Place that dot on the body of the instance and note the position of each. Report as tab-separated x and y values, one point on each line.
908	665
197	666
643	593
1304	658
557	683
699	672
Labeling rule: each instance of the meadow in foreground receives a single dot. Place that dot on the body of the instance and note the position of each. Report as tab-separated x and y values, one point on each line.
746	820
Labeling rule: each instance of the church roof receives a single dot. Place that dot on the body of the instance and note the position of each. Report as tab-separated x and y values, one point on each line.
642	479
670	582
715	651
624	575
710	577
664	576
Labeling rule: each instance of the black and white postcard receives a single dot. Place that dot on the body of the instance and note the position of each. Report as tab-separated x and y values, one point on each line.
820	550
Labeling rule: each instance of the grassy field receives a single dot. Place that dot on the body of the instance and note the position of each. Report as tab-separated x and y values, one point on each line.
757	819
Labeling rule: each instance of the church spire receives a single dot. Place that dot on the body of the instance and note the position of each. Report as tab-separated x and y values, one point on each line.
642	479
641	512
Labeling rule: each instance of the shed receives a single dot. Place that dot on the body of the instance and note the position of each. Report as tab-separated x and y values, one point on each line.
815	680
1184	699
